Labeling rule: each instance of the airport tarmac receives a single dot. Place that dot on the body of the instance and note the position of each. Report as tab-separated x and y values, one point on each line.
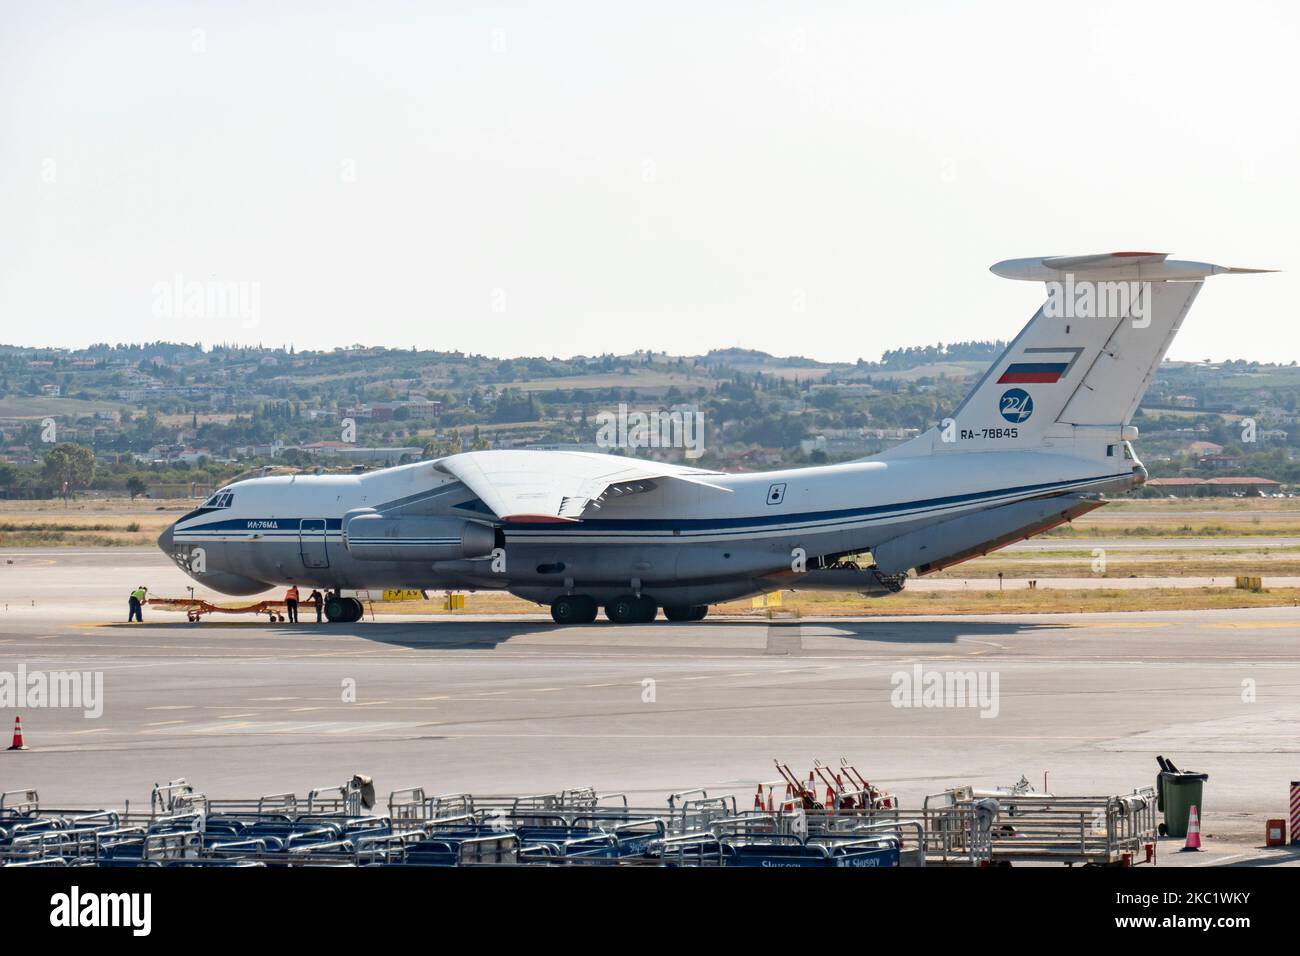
100	579
518	704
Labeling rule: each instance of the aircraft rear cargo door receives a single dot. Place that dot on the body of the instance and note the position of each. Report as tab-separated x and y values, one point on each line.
311	543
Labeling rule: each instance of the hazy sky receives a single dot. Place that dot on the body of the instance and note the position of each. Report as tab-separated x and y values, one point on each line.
826	179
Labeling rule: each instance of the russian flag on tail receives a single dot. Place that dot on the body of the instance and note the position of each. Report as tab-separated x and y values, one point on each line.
1026	373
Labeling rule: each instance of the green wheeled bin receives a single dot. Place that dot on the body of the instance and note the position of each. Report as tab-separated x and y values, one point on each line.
1177	791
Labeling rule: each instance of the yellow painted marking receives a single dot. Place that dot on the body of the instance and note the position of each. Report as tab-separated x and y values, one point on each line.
1251	625
93	730
233	716
172	707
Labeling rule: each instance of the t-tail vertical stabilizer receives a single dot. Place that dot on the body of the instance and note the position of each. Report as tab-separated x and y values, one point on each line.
1071	380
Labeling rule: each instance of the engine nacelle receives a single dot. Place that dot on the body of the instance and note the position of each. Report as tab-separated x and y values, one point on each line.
375	537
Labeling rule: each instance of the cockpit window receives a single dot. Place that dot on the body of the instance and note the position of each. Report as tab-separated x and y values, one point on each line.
222	499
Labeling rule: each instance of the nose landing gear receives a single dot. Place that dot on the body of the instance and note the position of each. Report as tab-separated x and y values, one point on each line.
343	610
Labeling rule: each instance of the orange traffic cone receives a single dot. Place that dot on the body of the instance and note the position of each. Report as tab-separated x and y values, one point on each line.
758	798
1193	831
18	734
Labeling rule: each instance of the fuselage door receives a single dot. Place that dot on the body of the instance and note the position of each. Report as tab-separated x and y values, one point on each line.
311	543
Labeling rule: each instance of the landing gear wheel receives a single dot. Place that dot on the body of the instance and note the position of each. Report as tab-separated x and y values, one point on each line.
621	610
646	610
341	610
336	610
686	612
631	609
573	609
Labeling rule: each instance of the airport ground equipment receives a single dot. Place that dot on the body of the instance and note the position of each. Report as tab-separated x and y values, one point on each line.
18	742
847	789
1177	791
798	793
1101	830
336	609
1193	831
857	826
196	608
174	797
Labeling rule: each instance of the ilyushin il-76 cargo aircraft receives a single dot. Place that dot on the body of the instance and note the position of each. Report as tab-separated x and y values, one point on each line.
1042	438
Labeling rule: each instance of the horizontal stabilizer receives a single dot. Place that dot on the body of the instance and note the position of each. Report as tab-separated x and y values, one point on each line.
1148	266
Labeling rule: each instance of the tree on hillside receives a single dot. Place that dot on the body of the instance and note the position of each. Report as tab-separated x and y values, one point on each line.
70	467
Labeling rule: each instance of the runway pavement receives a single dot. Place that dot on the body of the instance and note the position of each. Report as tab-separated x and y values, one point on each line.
521	705
92	583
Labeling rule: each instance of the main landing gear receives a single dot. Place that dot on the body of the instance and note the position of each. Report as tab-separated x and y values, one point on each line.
628	609
685	612
631	609
573	609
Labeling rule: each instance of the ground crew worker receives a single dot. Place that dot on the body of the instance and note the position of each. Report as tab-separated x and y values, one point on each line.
136	604
291	603
316	599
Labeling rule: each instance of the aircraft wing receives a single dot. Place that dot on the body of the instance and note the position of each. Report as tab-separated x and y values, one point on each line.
548	486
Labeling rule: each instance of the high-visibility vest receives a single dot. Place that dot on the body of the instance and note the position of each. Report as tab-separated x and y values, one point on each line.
292	595
138	594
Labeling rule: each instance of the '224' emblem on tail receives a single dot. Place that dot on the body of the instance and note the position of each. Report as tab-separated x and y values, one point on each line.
1016	406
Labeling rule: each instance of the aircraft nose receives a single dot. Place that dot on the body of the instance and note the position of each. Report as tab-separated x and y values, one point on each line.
165	539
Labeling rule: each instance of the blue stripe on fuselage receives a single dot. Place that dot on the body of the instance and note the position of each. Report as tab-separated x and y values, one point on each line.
288	527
